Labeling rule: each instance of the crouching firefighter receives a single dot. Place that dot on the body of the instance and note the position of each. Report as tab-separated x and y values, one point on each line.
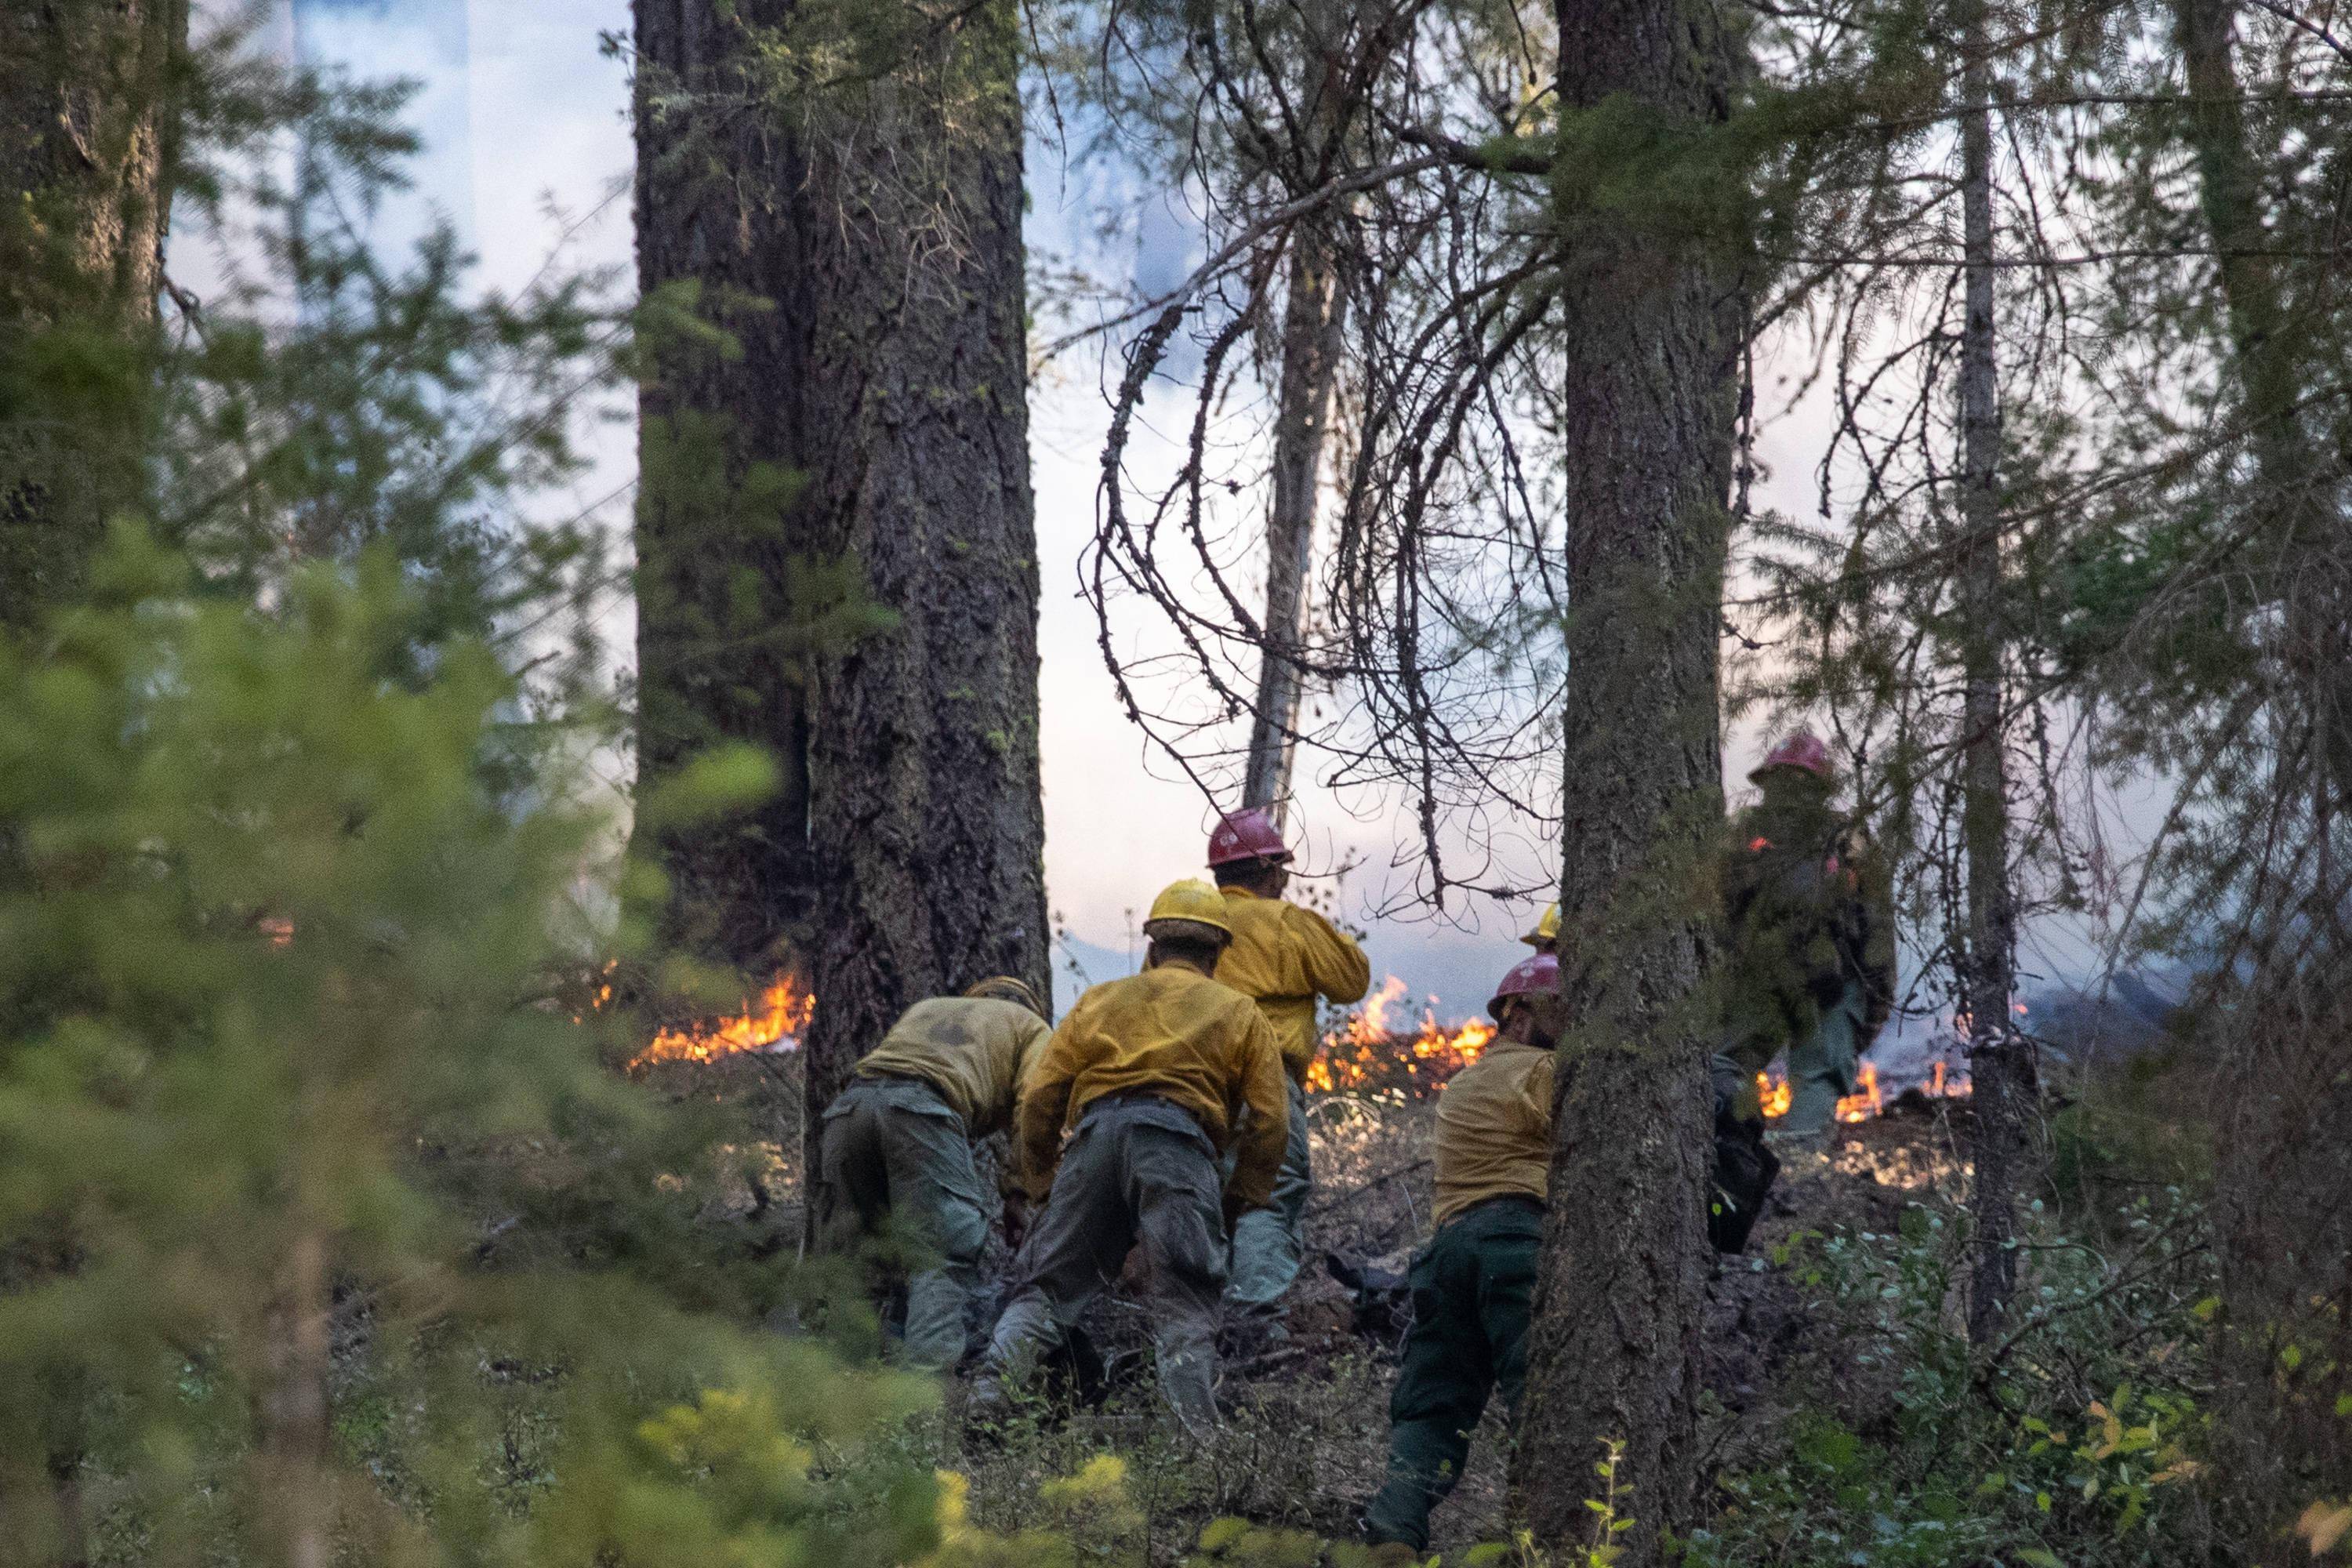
898	1143
1474	1283
1155	1077
1282	957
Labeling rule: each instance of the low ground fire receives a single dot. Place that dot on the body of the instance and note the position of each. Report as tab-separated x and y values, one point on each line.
773	1024
1381	1048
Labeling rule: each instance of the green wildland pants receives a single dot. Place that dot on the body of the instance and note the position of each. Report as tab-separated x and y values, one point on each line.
1140	1169
1472	1287
1270	1243
1821	1066
893	1150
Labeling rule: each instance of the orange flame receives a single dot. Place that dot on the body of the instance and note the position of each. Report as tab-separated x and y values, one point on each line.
1864	1103
1868	1099
1374	1049
775	1024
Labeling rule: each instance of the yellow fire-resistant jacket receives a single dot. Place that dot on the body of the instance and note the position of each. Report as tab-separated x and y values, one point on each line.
973	1050
1171	1032
1282	958
1494	1128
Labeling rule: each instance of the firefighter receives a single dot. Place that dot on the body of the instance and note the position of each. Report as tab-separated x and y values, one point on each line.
1474	1283
1155	1077
1282	957
898	1140
1544	938
1811	950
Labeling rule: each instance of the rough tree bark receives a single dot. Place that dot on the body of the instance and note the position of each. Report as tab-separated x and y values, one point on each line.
2283	1224
87	123
927	817
715	537
1649	351
1999	1059
1313	328
85	131
904	857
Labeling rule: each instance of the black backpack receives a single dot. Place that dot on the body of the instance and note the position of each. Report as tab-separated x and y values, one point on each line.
1742	1171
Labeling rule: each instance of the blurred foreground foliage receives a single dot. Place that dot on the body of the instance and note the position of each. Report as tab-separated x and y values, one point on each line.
283	1052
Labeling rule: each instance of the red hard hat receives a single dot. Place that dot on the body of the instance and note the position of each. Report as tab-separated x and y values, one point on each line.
1247	835
1803	751
1528	977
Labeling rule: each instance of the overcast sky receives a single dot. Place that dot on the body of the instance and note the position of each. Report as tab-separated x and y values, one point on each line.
526	143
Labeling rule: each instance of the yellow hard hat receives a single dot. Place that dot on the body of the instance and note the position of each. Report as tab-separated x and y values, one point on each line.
1190	899
1547	929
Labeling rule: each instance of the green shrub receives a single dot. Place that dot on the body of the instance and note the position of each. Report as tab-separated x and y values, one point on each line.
277	953
2076	1442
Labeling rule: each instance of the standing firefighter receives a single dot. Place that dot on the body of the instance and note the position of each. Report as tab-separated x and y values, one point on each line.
1544	938
1157	1075
1282	957
1474	1283
898	1141
1811	913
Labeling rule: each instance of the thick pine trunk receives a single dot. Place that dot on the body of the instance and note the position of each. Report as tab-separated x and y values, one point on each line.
2000	1062
1314	329
904	856
2284	1230
928	822
86	92
1649	353
87	123
716	536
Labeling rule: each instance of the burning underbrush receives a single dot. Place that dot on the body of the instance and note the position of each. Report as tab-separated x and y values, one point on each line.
1385	1048
1786	1350
774	1023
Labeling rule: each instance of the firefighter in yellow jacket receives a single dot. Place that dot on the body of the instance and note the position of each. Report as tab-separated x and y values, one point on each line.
898	1140
1474	1285
1283	957
1155	1077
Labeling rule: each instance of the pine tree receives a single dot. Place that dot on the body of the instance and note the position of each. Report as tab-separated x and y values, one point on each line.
865	429
88	101
2000	1064
1649	344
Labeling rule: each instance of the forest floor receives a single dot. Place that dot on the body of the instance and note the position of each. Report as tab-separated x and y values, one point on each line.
1305	1439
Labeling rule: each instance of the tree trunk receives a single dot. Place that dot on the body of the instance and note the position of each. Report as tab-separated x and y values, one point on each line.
2001	1063
1650	349
1313	333
294	1435
2283	1221
904	856
716	535
87	121
86	95
926	810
